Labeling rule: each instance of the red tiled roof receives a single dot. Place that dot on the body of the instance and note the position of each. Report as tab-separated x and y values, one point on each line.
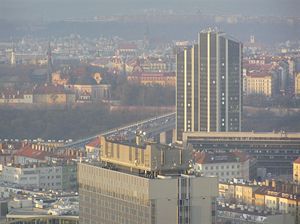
94	143
27	151
297	160
208	157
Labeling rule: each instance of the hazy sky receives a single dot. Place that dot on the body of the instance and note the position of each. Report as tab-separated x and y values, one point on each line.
62	9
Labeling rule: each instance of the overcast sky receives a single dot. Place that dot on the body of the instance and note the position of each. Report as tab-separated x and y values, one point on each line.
62	9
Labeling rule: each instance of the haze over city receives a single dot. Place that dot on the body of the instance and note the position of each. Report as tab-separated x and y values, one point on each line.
149	111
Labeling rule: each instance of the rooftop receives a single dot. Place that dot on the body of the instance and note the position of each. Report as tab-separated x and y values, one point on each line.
27	151
226	157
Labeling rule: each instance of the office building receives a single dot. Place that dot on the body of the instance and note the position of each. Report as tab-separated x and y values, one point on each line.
144	183
209	85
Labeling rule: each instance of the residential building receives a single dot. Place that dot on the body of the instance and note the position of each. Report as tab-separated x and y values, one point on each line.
259	83
50	94
296	171
95	91
209	85
163	79
239	191
224	165
46	176
28	154
13	96
93	148
277	197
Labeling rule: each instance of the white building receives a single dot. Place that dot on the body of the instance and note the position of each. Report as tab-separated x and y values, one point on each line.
33	176
224	165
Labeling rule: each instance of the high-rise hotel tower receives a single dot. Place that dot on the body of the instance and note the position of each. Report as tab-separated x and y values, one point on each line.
209	85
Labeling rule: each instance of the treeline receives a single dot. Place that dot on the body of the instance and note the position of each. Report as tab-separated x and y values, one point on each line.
269	121
276	101
132	94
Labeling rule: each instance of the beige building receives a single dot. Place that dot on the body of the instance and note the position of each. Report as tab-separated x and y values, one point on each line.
258	84
296	171
146	156
297	84
144	183
225	165
96	92
239	192
11	96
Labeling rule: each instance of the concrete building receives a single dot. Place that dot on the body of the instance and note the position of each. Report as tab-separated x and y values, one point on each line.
209	85
144	184
274	151
224	165
234	215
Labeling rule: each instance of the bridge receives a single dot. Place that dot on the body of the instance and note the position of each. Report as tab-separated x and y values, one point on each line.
159	127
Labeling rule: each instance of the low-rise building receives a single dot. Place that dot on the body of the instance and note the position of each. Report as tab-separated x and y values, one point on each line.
238	191
234	215
225	165
93	148
296	171
297	84
52	95
46	176
12	96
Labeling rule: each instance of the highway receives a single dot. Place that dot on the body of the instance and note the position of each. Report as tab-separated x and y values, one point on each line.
149	127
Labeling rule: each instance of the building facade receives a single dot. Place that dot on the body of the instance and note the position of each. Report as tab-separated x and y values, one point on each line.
274	151
209	85
144	182
261	84
114	197
226	165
